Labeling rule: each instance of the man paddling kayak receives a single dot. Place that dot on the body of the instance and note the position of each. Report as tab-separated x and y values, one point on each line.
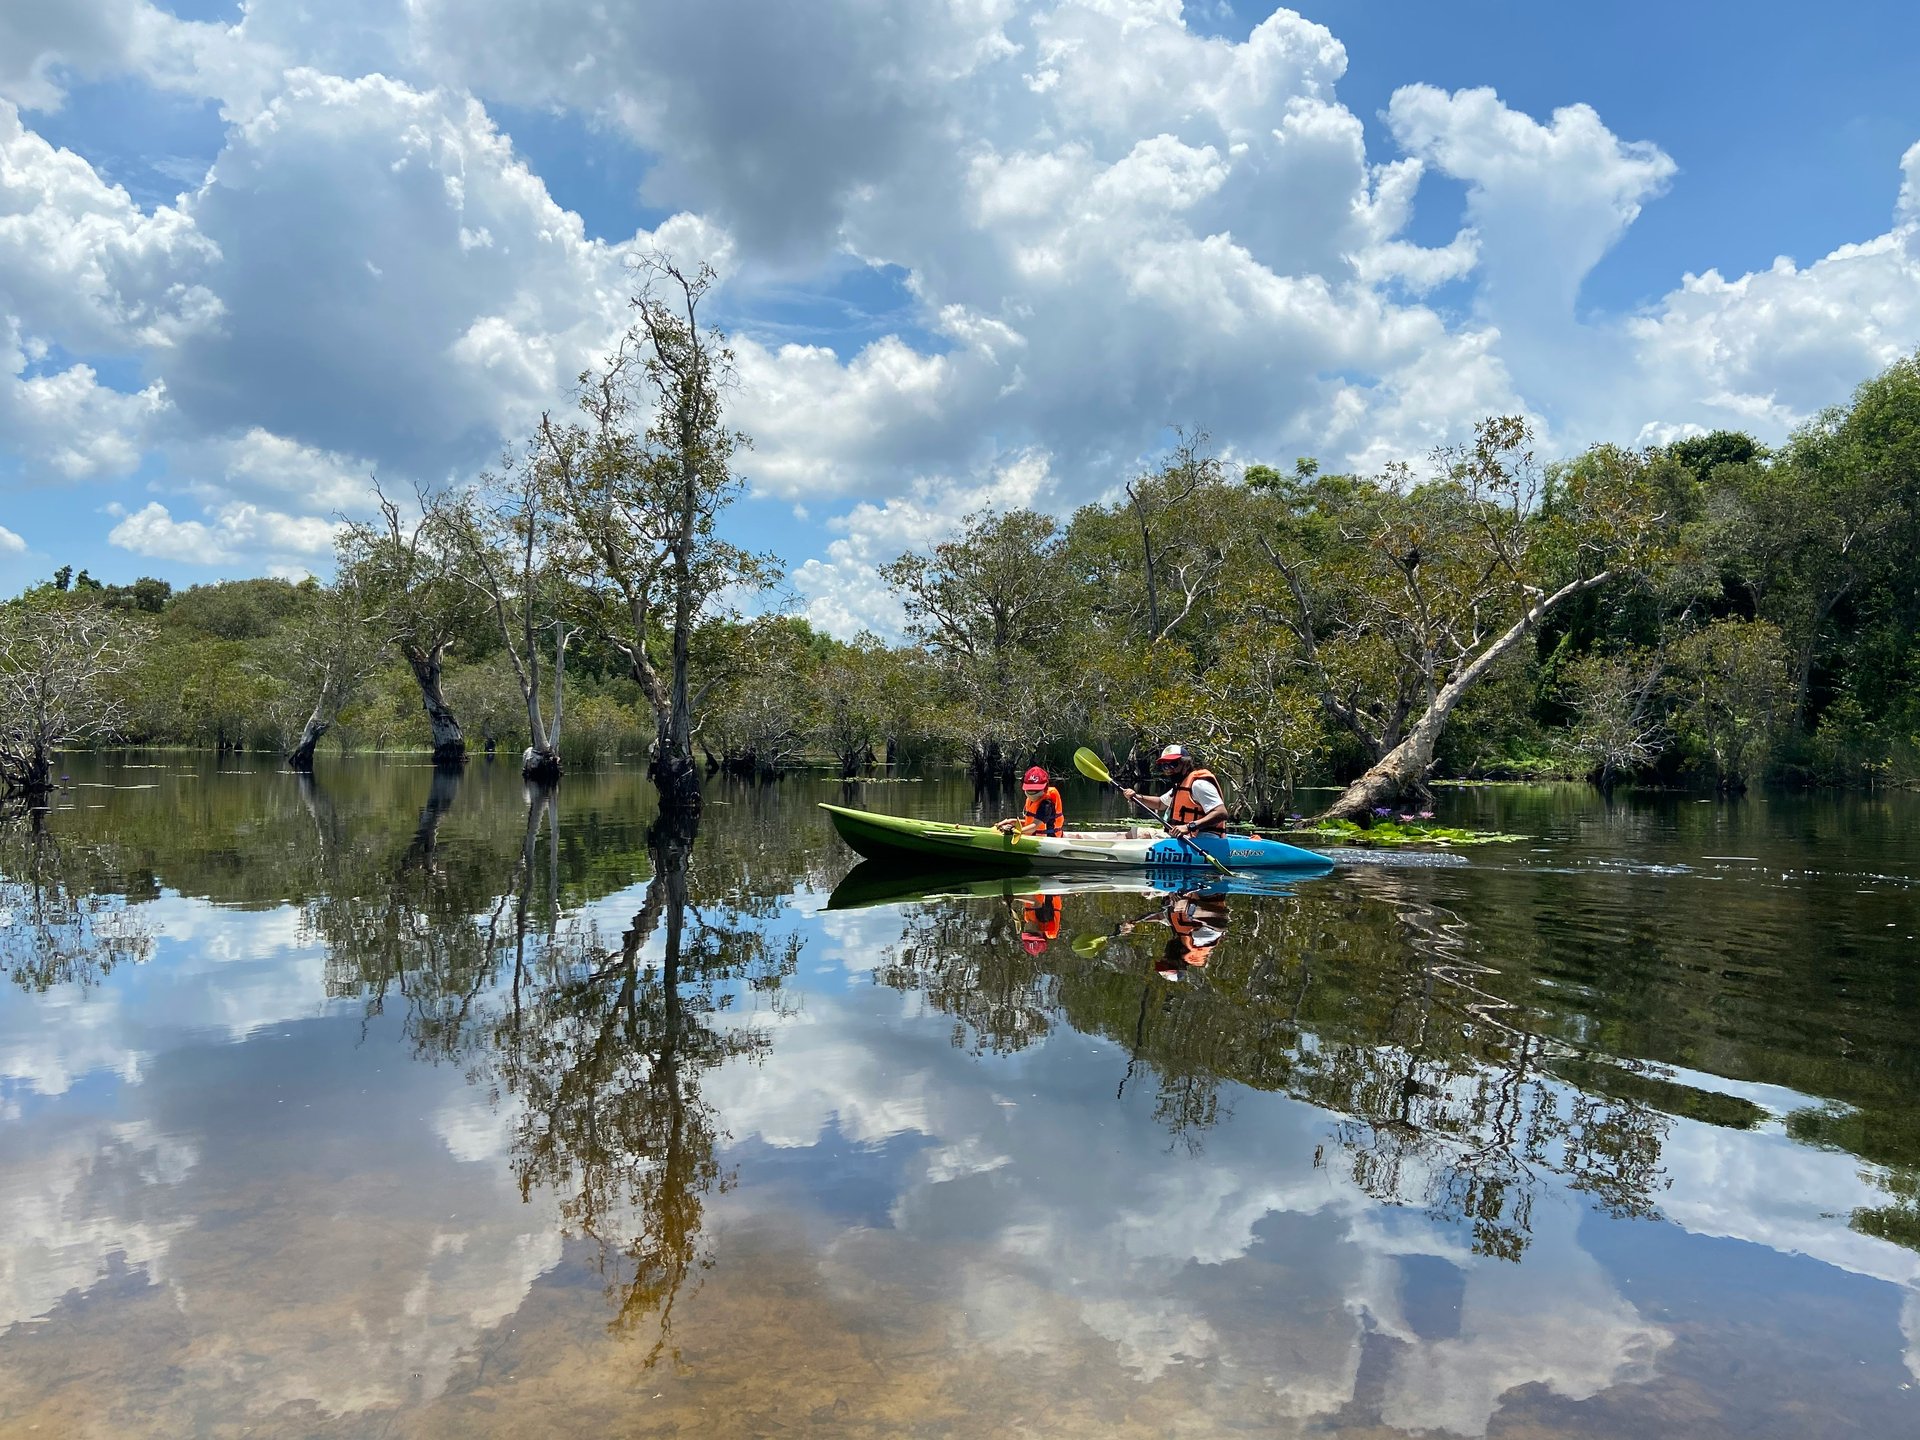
1194	806
1045	813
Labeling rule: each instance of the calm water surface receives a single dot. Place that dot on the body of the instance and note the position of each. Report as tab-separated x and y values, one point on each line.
395	1106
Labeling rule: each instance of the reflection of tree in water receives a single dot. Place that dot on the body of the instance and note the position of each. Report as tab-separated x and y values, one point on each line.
1448	1104
57	925
607	1051
405	920
968	961
1888	1138
602	1041
1362	999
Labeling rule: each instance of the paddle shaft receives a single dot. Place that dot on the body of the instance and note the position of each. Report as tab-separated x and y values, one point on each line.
1186	840
1094	768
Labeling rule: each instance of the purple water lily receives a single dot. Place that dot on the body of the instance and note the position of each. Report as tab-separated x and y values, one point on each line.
1383	811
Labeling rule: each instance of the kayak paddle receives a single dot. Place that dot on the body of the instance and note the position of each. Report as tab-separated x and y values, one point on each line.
1089	765
1088	946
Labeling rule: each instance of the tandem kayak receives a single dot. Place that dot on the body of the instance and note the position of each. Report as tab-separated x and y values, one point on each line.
899	841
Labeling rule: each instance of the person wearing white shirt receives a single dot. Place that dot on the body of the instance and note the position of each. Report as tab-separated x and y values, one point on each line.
1194	806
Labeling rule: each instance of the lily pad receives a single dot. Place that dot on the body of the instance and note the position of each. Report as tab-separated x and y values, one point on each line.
1405	832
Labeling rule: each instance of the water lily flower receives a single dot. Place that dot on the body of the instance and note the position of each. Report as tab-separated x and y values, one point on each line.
1426	814
1383	811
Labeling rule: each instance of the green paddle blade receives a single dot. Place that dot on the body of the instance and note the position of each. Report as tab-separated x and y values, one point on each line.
1088	946
1088	764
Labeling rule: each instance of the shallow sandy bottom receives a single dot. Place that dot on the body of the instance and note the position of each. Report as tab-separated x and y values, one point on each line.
780	1340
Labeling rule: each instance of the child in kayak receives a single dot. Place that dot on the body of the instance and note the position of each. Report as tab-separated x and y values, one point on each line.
1045	814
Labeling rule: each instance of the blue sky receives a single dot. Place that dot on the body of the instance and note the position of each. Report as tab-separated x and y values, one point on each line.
974	251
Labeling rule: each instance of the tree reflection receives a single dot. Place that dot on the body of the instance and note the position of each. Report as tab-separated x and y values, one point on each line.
57	925
969	962
601	1043
404	920
1364	1000
606	1052
1461	1067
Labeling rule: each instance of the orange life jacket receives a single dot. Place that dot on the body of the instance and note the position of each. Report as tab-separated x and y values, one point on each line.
1181	809
1035	822
1041	917
1186	922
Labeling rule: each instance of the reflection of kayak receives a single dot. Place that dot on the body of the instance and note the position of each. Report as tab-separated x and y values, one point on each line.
874	883
900	841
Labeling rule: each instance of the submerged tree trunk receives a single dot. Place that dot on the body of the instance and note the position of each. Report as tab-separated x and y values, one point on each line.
1403	769
990	768
675	775
449	741
27	772
301	756
673	768
541	761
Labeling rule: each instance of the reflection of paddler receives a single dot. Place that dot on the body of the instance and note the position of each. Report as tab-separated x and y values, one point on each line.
1198	923
1039	923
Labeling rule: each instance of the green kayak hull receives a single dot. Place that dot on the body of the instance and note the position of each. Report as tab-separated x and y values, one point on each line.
898	840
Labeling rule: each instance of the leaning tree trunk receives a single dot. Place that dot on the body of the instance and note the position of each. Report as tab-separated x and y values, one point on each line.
1403	769
449	742
301	756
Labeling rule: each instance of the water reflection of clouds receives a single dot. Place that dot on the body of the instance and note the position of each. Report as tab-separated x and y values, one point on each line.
231	972
1769	1190
368	1236
1048	1220
78	1192
1071	1216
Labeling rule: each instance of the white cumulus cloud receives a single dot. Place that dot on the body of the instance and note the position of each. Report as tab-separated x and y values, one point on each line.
234	532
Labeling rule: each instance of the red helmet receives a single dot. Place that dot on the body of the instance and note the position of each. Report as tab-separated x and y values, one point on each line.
1036	779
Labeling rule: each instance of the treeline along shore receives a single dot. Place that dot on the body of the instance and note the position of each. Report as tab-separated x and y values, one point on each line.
1708	612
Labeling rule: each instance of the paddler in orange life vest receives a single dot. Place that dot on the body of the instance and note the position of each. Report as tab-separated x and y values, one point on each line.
1044	815
1194	806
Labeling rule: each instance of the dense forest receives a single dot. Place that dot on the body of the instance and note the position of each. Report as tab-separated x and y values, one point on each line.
1709	612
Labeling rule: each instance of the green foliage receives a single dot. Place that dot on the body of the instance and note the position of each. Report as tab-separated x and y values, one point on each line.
1261	728
1731	689
989	607
1759	616
1406	830
236	609
1620	723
